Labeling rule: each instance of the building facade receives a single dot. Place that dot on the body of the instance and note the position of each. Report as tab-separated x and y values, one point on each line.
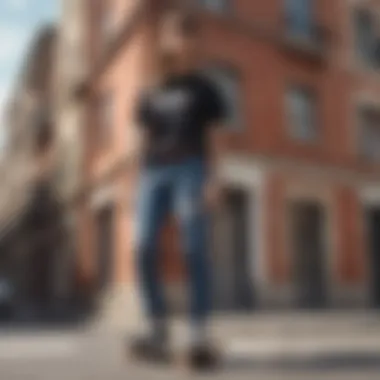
69	112
300	226
30	212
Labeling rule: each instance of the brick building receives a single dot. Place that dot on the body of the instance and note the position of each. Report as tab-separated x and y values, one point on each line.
30	229
69	113
300	226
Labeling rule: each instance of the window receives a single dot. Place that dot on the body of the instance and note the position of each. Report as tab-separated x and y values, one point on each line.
366	37
369	133
298	15
216	5
227	82
104	120
300	104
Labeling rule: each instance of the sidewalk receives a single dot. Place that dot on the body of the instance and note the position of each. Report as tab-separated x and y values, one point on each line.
265	346
320	338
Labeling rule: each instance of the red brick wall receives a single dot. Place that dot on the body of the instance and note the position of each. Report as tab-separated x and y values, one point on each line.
351	256
123	78
346	258
265	70
277	263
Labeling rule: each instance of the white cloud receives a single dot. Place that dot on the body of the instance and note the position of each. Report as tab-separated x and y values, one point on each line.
18	5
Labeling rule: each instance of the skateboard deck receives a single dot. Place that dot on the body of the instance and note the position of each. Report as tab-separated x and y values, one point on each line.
203	360
208	359
150	356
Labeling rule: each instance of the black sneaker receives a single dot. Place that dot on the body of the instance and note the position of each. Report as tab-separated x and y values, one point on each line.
203	357
150	349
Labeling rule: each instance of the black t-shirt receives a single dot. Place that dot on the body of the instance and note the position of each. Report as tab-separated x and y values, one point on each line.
176	116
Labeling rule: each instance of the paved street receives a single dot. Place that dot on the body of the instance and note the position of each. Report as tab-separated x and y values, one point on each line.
79	357
266	353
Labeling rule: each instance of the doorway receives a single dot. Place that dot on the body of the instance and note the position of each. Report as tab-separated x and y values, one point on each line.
105	247
234	287
373	238
307	226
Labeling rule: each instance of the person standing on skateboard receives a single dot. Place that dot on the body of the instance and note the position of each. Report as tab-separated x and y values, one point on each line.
177	118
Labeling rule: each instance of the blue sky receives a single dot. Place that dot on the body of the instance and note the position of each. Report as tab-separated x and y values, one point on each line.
19	19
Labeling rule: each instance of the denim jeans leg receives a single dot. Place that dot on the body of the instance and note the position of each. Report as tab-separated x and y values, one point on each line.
192	216
152	207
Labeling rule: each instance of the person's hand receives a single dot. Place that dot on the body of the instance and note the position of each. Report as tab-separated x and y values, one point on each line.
213	194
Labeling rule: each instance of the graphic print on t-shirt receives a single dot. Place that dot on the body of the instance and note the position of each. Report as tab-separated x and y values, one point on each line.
171	101
176	116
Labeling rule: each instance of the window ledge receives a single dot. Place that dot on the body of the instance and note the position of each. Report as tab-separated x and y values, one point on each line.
303	46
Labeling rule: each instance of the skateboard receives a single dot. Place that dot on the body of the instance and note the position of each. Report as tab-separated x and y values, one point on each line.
150	355
199	360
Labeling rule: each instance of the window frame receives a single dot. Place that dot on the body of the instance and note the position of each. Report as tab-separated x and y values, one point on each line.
310	94
213	5
357	62
363	152
289	14
370	61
